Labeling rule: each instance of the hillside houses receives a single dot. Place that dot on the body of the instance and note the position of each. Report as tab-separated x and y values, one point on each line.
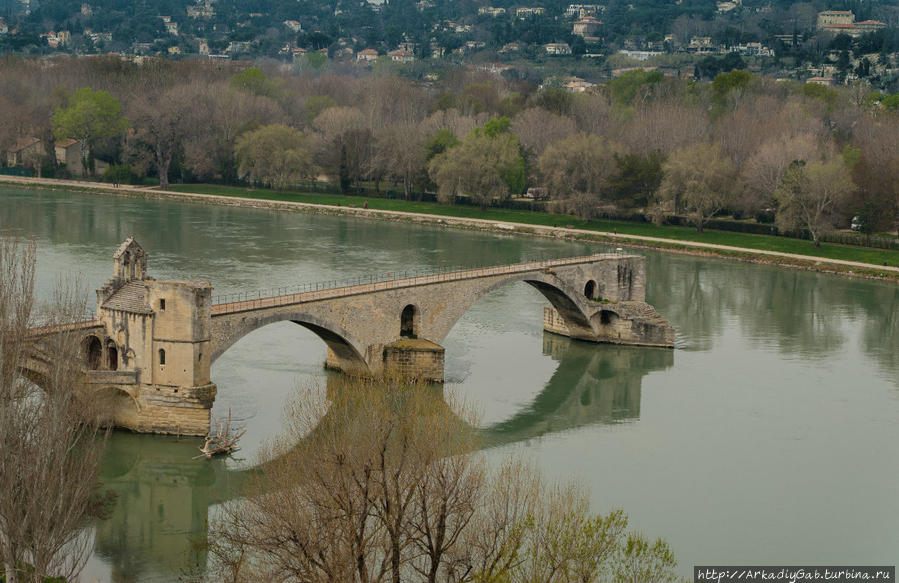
843	22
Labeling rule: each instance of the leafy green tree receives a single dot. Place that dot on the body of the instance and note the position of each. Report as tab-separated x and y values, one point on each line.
89	116
554	99
481	167
254	81
442	141
725	83
699	180
637	179
891	102
625	88
810	196
276	155
816	91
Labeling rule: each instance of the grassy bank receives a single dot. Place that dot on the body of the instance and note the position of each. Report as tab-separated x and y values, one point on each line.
673	233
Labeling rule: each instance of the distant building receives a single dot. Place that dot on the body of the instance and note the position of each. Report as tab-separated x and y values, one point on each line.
727	5
530	11
830	17
25	151
4	29
68	152
293	25
754	50
491	11
826	81
843	22
557	49
639	55
583	10
86	10
866	26
401	56
204	10
172	28
438	52
586	27
367	55
512	47
578	85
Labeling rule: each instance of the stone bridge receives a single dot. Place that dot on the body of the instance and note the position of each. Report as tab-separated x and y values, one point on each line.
153	342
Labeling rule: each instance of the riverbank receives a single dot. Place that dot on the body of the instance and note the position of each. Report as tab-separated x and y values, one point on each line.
829	258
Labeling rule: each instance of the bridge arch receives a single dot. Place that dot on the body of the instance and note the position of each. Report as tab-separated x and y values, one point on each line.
568	301
337	339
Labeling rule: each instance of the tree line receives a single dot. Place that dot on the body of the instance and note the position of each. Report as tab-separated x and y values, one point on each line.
742	145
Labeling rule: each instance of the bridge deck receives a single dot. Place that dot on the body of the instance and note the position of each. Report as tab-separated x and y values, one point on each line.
67	327
262	302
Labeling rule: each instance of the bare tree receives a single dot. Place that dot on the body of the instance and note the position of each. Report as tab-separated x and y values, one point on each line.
276	155
665	126
161	127
577	171
382	483
401	154
49	437
810	195
764	170
700	180
538	128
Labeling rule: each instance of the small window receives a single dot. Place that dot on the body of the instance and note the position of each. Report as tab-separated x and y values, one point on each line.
162	305
161	356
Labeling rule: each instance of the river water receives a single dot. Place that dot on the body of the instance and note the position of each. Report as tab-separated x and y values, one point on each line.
770	435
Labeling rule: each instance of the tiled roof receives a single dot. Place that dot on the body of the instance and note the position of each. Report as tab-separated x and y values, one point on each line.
131	297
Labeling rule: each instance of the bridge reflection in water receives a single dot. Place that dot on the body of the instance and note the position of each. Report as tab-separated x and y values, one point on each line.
165	496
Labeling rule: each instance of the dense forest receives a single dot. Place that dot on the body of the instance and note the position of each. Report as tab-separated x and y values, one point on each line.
806	156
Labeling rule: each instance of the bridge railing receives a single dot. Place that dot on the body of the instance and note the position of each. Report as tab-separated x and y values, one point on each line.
278	296
52	322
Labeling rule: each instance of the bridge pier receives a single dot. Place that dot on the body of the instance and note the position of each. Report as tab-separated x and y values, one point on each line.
627	323
408	358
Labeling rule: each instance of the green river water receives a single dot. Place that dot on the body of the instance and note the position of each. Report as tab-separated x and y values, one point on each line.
770	435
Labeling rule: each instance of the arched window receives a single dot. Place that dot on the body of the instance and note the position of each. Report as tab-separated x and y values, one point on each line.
407	322
93	352
590	290
112	356
161	356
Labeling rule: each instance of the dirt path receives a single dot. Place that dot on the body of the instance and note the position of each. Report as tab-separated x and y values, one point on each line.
789	259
